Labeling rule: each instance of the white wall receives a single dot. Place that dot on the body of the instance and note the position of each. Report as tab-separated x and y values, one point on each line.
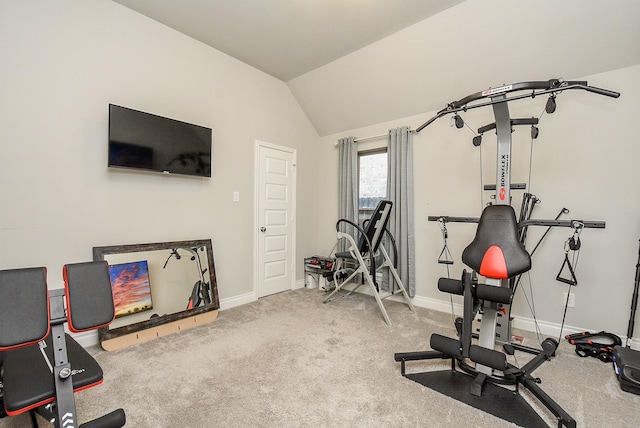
585	159
466	47
63	62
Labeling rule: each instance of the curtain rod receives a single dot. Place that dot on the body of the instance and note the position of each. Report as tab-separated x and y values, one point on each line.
372	137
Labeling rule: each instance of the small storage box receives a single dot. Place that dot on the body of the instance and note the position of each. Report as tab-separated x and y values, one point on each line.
626	362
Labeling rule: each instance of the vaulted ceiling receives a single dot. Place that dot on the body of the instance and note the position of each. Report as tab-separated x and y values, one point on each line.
353	63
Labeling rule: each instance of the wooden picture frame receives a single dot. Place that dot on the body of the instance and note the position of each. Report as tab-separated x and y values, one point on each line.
115	338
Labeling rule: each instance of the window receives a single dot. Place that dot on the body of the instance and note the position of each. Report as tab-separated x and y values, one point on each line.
372	181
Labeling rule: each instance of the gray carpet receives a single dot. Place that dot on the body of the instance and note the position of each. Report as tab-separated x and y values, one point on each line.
288	360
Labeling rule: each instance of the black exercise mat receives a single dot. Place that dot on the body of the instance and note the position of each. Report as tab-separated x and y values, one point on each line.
497	401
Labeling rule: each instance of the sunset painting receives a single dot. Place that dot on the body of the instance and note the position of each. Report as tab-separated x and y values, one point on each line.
131	290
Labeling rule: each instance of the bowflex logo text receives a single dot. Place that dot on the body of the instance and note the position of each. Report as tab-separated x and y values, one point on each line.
504	170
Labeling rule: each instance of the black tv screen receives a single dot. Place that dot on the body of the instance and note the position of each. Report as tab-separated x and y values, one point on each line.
144	141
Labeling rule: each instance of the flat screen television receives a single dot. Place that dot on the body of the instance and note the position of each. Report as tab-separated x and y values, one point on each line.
145	141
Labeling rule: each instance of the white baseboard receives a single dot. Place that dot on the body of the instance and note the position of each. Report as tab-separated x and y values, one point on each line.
239	300
433	304
523	323
90	338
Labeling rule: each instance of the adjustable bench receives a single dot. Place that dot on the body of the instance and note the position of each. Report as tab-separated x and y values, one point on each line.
42	366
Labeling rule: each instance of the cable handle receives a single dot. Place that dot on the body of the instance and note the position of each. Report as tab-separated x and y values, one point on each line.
600	91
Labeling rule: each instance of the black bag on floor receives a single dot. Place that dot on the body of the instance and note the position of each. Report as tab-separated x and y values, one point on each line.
597	345
626	363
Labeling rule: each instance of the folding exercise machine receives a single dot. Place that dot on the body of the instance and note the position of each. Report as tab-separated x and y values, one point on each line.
42	366
498	254
360	258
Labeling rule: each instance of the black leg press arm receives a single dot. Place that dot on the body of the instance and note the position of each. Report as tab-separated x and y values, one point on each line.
480	365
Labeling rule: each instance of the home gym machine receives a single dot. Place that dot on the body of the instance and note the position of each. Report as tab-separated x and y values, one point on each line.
497	253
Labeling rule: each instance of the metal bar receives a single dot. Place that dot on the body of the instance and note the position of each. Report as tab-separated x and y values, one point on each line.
514	122
564	419
452	219
514	186
371	137
634	304
461	105
503	161
522	86
589	224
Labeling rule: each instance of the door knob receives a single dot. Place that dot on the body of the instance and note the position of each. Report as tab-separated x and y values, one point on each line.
263	229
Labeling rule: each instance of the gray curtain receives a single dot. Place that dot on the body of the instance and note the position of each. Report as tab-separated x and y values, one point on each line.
347	186
400	192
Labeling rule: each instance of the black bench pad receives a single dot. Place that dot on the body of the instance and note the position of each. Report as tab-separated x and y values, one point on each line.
496	251
28	382
24	306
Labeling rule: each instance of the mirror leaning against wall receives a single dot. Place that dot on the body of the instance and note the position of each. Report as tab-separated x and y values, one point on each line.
157	284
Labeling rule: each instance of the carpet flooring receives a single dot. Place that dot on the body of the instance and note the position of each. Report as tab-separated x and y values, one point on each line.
288	360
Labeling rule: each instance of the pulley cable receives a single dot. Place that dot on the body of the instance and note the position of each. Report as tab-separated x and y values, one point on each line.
532	307
574	244
534	136
544	235
460	123
571	244
531	155
564	314
529	201
481	183
446	258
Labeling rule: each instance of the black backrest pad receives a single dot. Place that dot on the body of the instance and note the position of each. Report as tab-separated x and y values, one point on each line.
498	227
24	306
376	225
89	295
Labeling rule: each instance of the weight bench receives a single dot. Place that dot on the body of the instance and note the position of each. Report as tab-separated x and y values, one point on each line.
42	366
360	258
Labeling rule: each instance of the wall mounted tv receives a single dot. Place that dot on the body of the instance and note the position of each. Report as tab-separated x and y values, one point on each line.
144	141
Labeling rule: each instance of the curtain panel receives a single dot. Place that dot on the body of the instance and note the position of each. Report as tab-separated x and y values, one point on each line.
347	185
400	192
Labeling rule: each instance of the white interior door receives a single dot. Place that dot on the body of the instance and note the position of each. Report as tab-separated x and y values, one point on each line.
275	218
